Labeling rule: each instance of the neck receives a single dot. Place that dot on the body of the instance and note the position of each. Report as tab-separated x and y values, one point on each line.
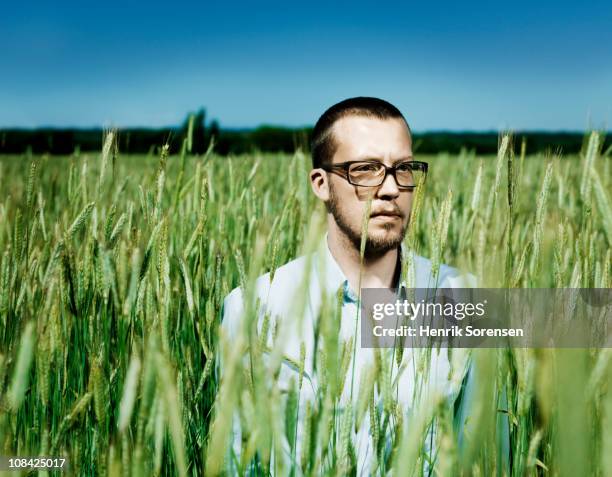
378	271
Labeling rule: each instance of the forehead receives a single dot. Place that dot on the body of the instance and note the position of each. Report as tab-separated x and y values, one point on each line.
360	137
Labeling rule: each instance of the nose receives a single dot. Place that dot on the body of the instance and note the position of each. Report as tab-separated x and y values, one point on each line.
388	188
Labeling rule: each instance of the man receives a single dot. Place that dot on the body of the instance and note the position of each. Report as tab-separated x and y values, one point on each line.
362	158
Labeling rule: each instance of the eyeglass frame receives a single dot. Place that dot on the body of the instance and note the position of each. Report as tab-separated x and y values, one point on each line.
342	169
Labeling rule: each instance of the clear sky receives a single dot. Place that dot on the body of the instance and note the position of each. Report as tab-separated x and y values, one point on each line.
446	65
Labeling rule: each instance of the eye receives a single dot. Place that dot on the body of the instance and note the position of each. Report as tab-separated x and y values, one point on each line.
366	167
404	167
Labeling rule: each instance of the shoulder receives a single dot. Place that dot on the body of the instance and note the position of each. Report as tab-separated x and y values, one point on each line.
448	276
272	291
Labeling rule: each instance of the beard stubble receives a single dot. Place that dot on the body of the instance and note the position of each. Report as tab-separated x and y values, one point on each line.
375	246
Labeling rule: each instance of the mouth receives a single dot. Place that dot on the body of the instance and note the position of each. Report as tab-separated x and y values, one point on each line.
387	216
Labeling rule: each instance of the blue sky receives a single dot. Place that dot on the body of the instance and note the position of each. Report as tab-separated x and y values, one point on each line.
456	65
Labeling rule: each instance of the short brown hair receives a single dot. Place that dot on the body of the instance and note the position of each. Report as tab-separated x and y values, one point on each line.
323	147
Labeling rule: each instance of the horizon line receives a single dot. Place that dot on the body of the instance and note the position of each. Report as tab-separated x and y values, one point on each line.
4	129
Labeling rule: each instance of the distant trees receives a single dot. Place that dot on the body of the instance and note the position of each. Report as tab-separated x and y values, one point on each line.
264	138
194	130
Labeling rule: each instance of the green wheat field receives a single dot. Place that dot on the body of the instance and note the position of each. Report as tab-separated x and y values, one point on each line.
113	270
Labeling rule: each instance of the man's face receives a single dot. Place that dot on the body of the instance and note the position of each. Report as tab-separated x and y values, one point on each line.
387	141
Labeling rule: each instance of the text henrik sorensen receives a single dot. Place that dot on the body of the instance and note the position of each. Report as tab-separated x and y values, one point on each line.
431	332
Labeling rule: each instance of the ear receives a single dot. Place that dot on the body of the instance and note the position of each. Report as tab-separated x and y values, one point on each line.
319	181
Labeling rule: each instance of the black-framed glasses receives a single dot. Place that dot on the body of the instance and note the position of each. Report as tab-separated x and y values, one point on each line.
372	173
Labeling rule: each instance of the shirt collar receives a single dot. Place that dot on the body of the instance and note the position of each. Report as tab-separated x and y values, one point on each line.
334	277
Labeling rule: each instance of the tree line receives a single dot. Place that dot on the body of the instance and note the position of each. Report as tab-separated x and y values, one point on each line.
65	141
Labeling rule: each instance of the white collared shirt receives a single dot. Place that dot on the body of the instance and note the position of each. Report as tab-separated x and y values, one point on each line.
296	314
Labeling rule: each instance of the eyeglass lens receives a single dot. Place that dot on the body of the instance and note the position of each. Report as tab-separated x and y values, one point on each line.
372	174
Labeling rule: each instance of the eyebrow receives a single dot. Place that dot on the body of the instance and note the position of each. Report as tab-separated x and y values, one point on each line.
395	161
